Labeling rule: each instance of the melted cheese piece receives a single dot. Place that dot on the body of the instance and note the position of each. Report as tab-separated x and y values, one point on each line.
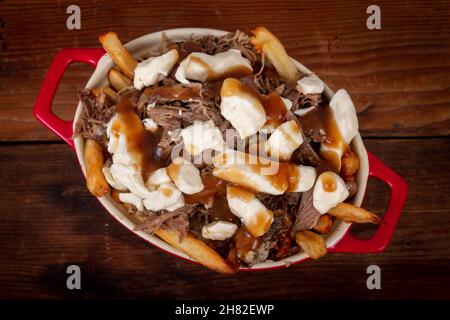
244	111
329	191
201	136
166	197
154	69
343	127
157	178
345	114
310	85
131	199
305	178
185	176
150	124
219	230
204	67
253	172
286	138
253	214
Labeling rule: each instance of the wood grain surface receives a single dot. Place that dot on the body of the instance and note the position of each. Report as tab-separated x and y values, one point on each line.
399	78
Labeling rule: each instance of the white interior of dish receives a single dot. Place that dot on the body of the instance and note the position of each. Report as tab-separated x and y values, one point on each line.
141	47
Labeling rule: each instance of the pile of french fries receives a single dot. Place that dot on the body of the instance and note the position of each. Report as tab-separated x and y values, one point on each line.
311	241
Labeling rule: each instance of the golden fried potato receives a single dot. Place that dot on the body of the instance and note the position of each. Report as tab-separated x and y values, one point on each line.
95	179
264	41
117	80
197	250
313	244
351	213
324	224
350	164
118	53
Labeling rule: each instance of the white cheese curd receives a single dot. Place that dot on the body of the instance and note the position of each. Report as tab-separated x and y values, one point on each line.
288	103
250	171
157	178
286	138
166	197
185	176
303	111
121	154
202	135
219	230
154	69
202	67
310	85
253	214
305	178
329	191
344	114
244	111
113	139
110	179
150	124
131	178
132	199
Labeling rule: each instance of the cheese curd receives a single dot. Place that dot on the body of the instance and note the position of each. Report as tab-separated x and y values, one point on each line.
250	171
253	214
154	69
157	178
201	136
219	230
305	177
244	111
286	138
343	129
150	124
202	67
166	197
345	114
131	199
185	176
329	191
310	85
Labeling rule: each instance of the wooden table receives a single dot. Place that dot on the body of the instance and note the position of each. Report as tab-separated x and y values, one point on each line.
399	78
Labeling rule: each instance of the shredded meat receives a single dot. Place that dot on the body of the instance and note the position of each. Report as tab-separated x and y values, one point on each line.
97	111
306	215
175	220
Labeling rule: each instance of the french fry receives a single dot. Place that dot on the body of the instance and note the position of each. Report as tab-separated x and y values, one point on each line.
119	54
311	243
350	164
117	80
197	250
351	213
264	41
93	158
324	224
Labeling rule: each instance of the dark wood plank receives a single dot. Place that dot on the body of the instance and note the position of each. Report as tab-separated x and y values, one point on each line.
49	221
399	76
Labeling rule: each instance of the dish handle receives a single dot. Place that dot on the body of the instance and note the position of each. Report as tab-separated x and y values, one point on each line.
43	106
399	191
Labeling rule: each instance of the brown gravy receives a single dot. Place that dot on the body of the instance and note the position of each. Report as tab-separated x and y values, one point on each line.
141	142
328	182
323	119
232	72
245	242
